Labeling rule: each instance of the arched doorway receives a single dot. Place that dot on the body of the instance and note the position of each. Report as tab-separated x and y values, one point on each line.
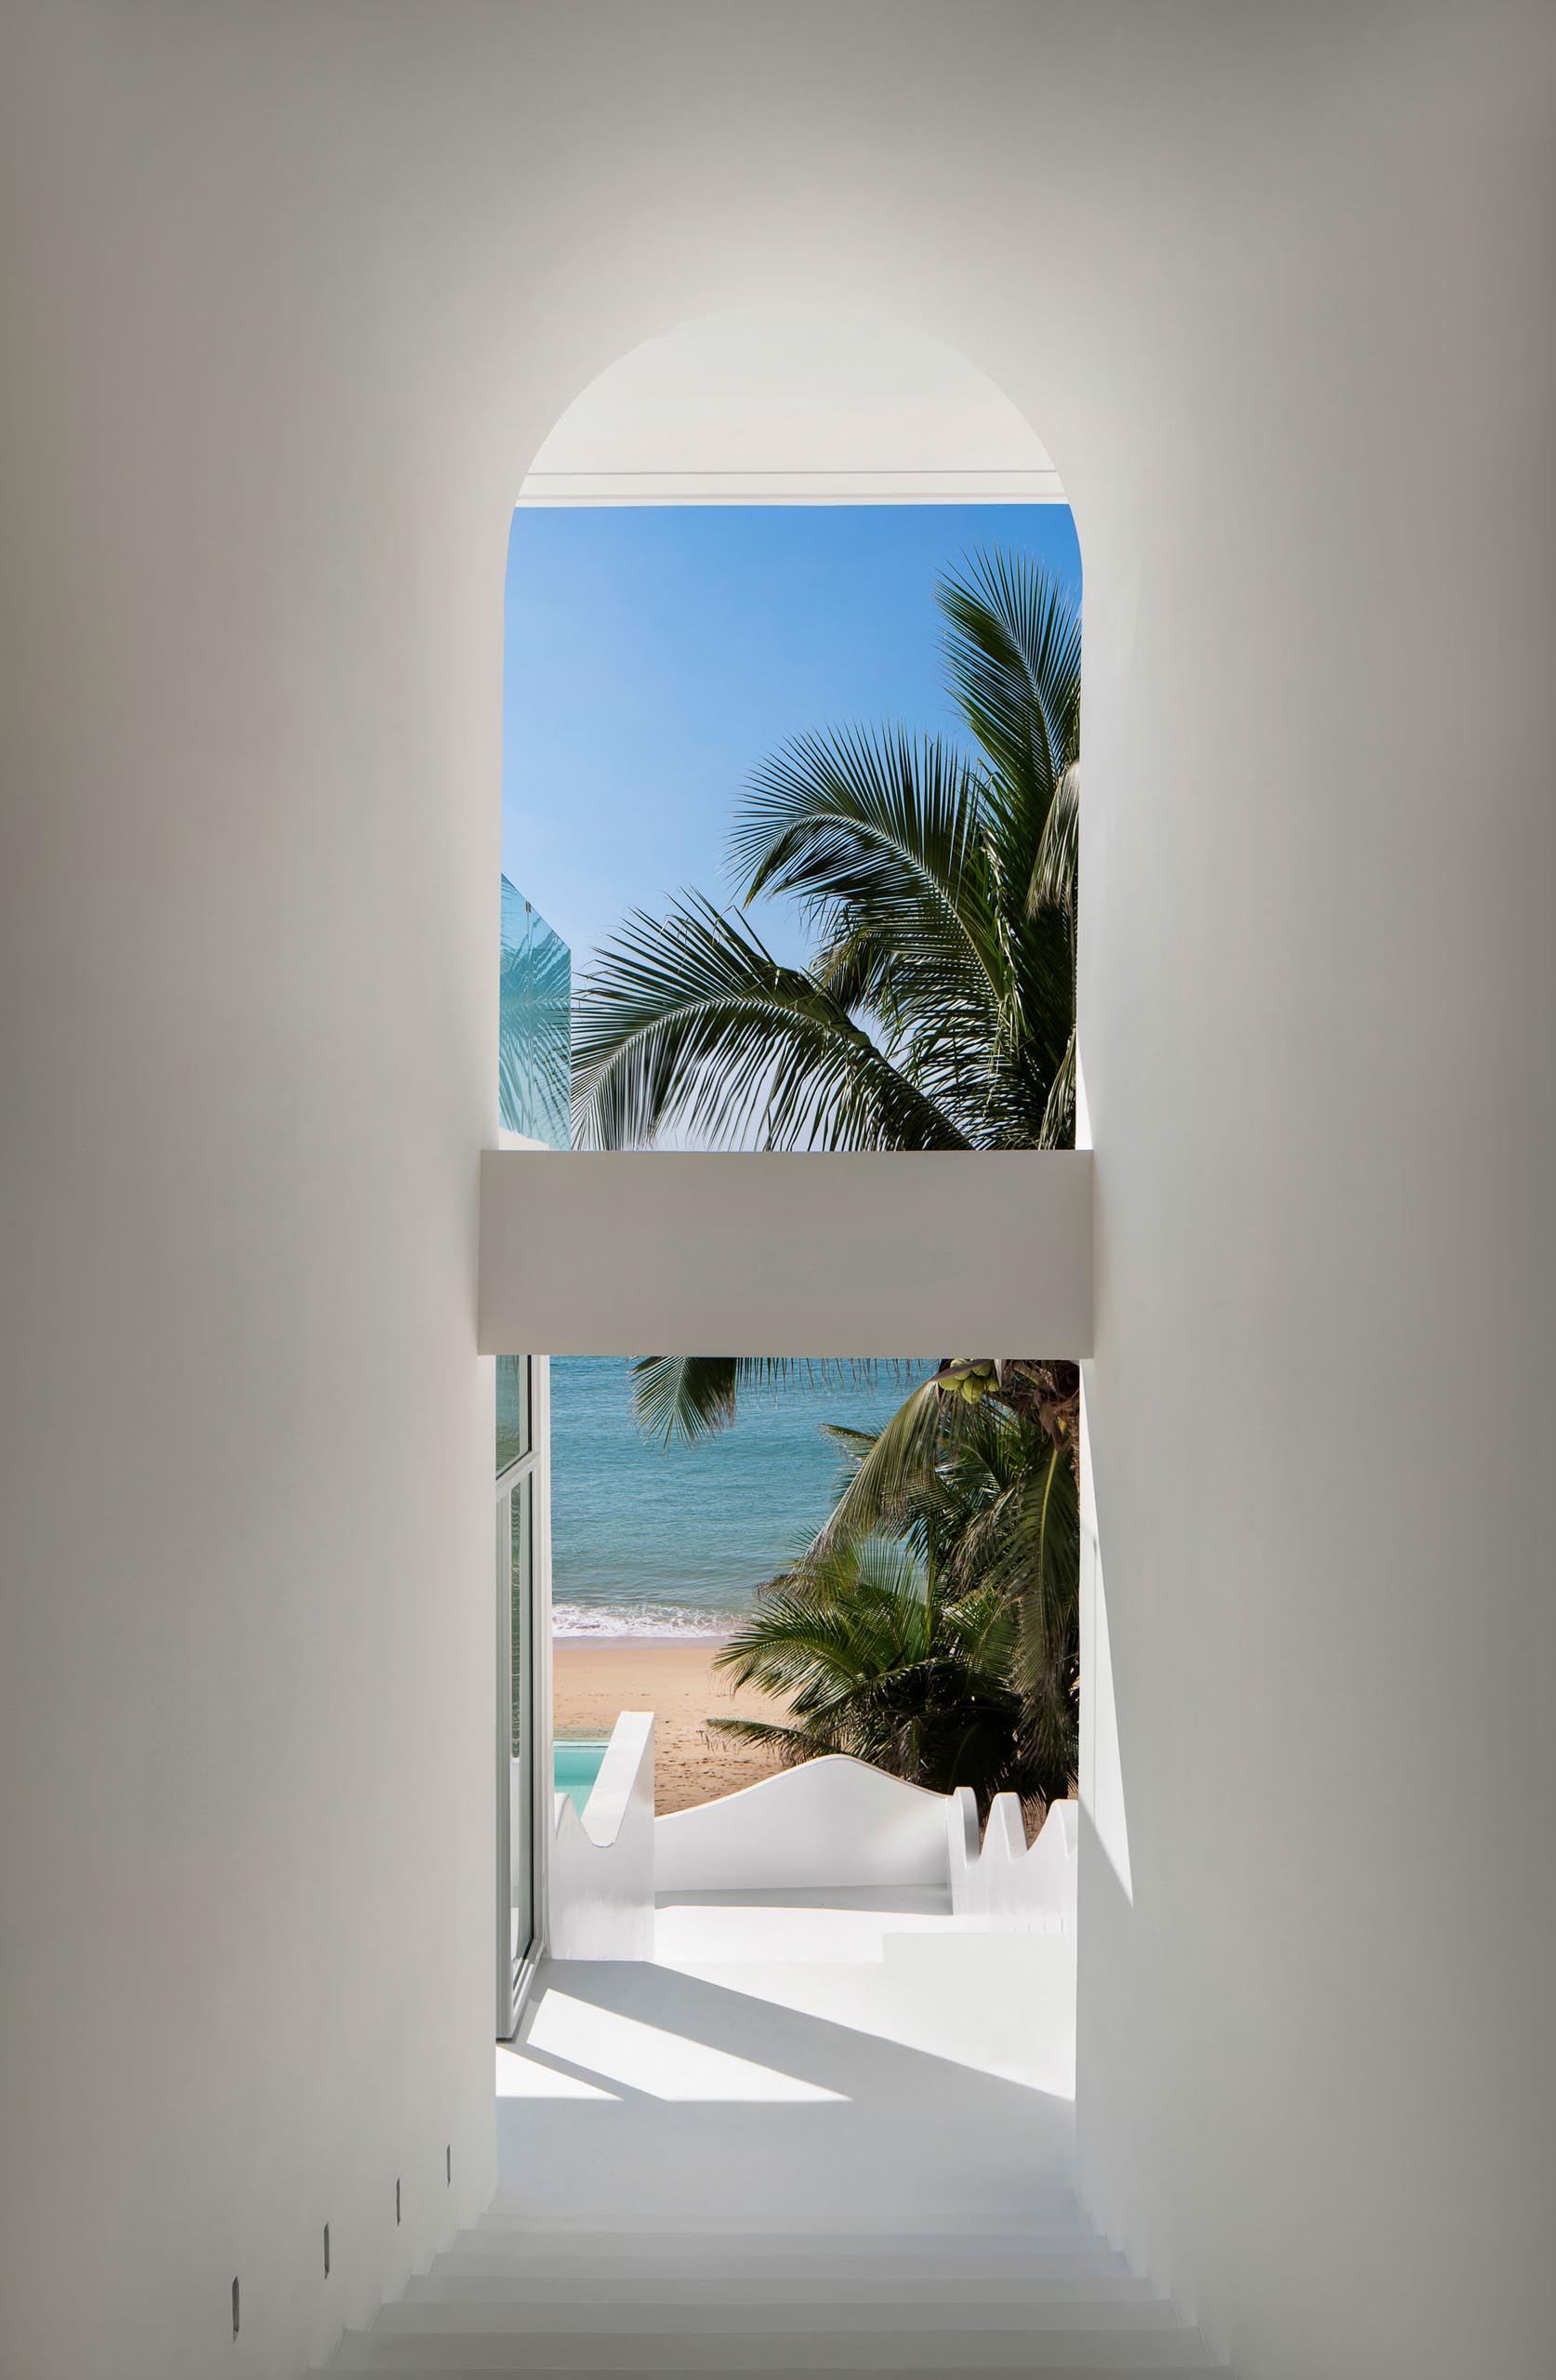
782	408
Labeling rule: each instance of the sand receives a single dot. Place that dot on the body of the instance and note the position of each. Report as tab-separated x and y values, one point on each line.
595	1677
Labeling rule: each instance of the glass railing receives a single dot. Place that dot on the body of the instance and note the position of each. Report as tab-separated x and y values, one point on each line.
534	1027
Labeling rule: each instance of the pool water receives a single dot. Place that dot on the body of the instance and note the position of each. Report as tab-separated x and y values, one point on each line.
576	1764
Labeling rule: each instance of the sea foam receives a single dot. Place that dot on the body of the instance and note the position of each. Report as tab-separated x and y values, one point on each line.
640	1620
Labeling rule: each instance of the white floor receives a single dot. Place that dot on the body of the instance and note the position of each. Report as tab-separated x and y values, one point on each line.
817	2135
795	2060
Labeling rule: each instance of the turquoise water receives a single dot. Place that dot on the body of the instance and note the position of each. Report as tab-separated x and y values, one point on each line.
648	1540
576	1764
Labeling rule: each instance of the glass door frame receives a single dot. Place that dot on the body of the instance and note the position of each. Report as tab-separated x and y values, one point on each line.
516	1964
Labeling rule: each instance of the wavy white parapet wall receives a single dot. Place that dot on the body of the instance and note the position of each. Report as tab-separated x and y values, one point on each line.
831	1822
1001	1884
602	1880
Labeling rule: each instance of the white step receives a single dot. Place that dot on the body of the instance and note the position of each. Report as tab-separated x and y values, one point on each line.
1048	2206
747	2278
1053	2213
602	2248
808	2352
457	2282
974	2274
464	2316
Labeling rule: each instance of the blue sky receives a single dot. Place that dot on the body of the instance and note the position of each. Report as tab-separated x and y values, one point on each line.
655	656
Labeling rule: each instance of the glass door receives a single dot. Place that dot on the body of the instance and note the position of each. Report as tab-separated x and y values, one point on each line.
521	1515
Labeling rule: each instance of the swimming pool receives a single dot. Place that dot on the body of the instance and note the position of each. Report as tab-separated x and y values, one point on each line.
576	1764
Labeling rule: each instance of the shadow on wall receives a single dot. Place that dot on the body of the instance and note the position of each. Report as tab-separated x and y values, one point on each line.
1102	1765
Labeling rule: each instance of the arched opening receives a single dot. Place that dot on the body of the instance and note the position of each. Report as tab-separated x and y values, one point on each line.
808	430
790	405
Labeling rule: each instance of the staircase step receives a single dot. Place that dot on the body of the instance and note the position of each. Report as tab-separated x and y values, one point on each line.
973	2274
808	2351
463	2316
452	2283
666	2223
752	2273
603	2248
1054	2207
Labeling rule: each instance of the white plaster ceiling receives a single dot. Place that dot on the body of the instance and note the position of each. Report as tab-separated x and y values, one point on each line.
792	407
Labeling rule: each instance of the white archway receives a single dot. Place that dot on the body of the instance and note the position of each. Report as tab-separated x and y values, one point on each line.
819	404
792	405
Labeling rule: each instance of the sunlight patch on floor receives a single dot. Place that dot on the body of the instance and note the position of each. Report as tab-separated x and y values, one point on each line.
646	2059
522	2077
896	1968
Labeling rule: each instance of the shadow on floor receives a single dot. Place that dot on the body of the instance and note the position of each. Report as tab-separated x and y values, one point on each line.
638	2094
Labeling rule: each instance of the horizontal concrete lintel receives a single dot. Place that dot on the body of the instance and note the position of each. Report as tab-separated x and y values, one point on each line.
931	1254
1016	484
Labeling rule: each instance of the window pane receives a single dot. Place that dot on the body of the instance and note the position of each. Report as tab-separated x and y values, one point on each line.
520	1622
513	1409
520	1577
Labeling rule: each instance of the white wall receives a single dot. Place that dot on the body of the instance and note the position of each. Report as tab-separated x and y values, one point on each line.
249	634
863	1254
831	1822
293	294
1317	2084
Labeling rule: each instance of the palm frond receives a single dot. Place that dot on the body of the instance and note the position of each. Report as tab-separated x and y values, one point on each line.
690	1021
1057	1130
1013	648
889	1467
873	1662
876	834
794	1744
1055	872
977	1483
685	1398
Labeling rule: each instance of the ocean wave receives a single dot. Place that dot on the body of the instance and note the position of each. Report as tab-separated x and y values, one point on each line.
640	1620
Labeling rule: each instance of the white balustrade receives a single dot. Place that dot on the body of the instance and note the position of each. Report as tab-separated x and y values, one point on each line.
833	1822
1004	1885
602	1858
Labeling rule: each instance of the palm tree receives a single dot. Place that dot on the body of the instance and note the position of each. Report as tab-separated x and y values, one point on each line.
874	1657
977	1476
937	1009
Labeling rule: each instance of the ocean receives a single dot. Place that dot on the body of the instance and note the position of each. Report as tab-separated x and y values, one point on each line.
648	1540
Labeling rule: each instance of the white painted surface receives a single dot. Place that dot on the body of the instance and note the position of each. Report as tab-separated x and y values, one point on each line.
813	1255
1316	2103
773	2081
601	1889
250	639
894	1960
830	1821
1002	1884
792	405
781	1926
824	2129
293	298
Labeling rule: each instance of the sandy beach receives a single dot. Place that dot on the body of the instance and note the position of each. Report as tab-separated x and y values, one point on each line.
595	1677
